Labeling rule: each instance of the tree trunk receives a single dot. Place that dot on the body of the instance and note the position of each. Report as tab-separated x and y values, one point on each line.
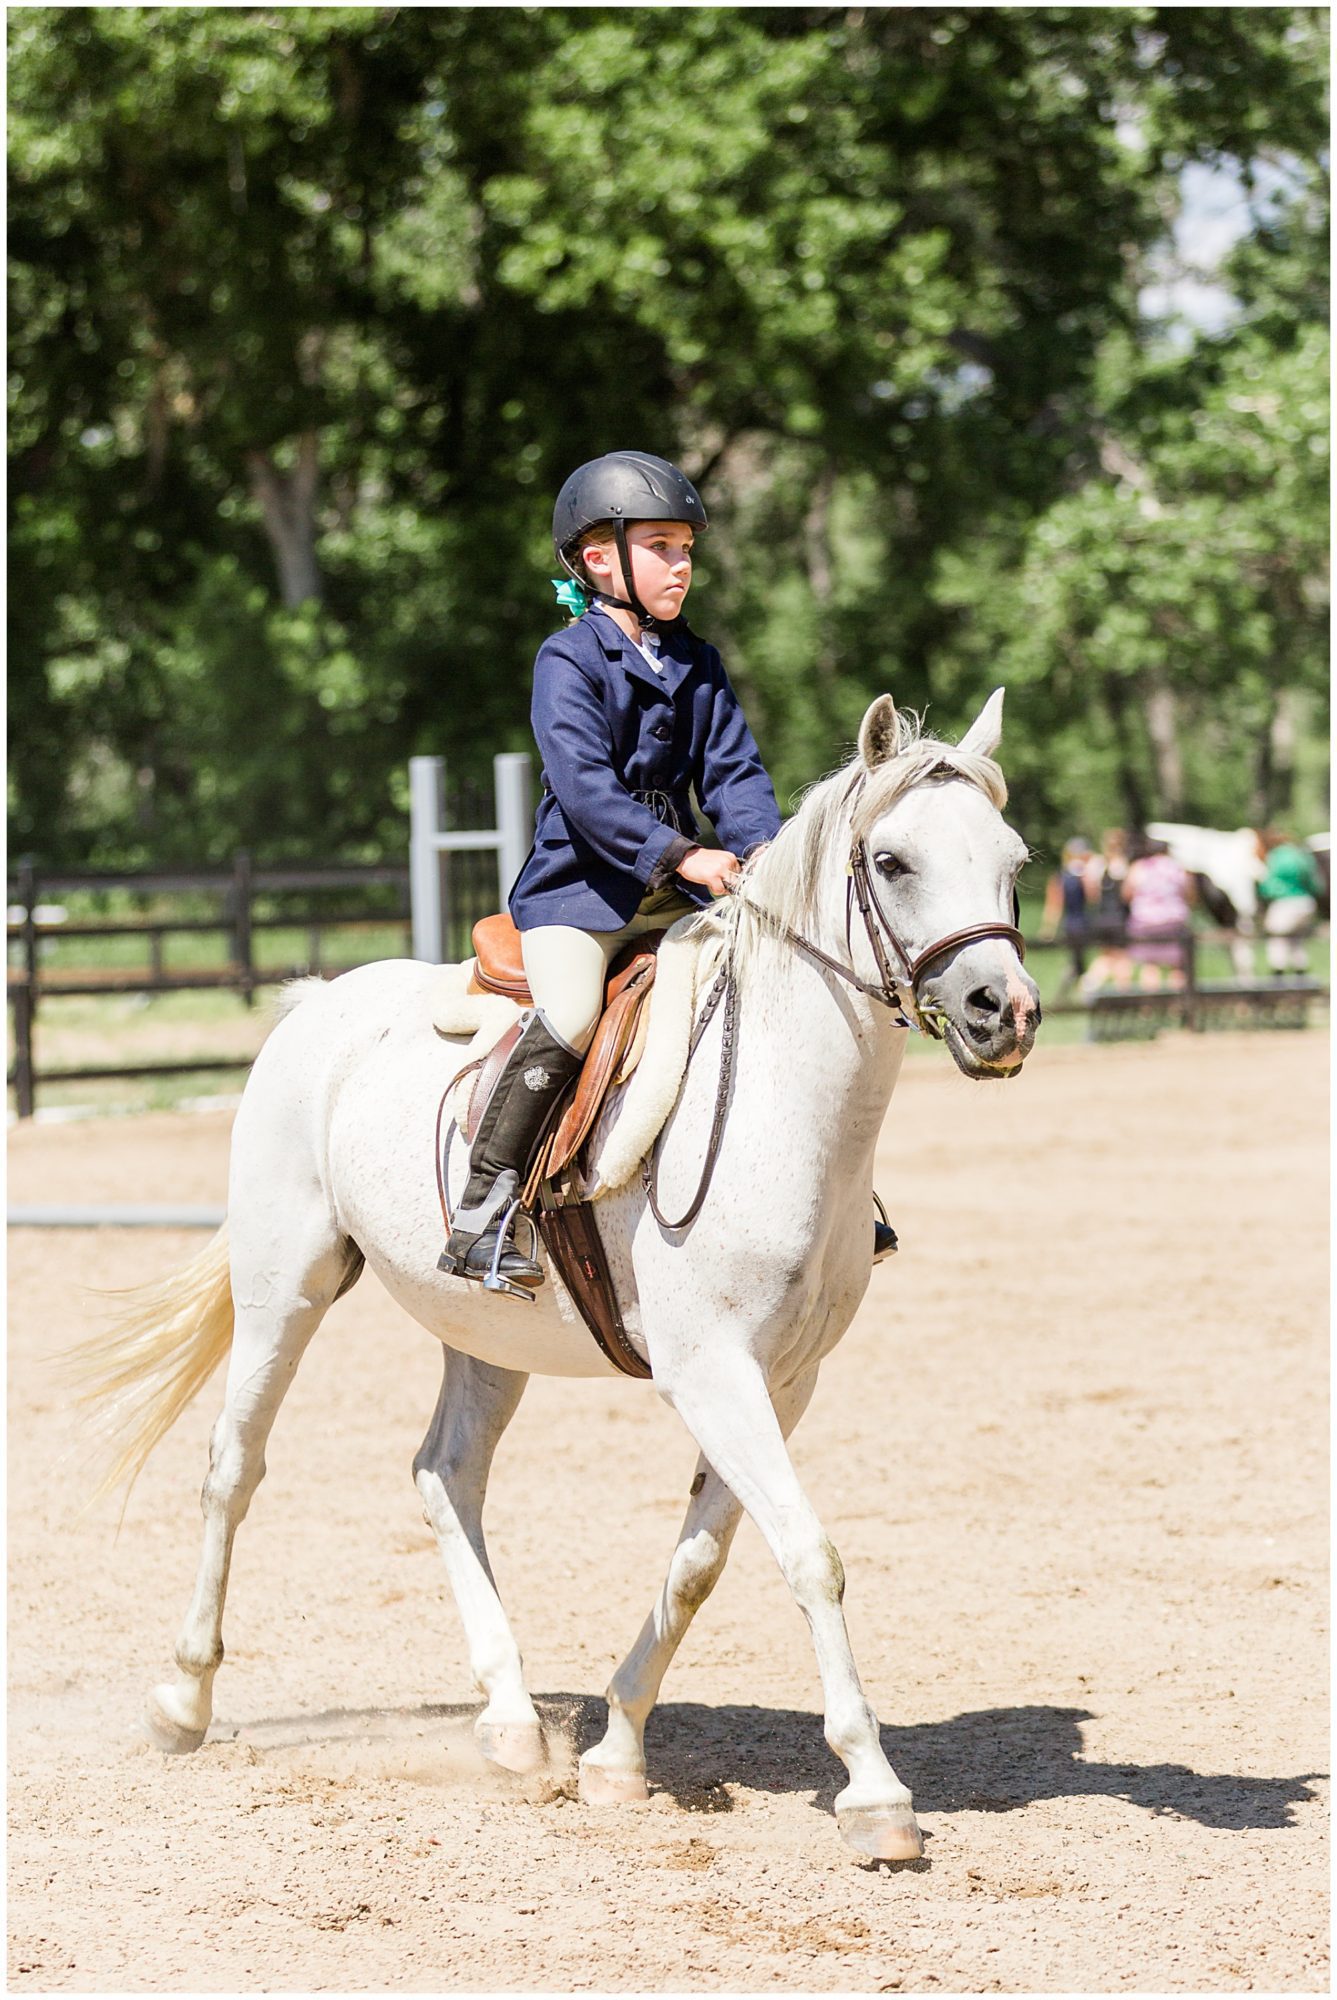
287	501
157	426
1274	775
817	547
1163	728
1130	784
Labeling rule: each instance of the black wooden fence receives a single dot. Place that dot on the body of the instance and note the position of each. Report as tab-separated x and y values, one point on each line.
249	901
1131	1012
254	900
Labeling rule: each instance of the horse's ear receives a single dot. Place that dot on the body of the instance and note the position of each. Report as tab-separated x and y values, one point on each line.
878	733
985	732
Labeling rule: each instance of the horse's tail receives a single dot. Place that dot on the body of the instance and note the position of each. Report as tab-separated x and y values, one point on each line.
292	993
159	1351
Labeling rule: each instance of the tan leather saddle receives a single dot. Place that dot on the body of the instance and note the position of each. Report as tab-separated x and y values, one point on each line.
567	1223
612	1055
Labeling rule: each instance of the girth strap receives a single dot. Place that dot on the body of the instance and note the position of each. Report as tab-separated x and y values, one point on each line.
570	1229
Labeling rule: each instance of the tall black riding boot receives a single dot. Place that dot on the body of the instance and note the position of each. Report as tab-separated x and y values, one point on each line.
536	1073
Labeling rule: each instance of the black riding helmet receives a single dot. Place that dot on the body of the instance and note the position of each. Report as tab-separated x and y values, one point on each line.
622	486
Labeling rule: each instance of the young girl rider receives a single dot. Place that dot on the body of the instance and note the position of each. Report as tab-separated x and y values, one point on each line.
631	710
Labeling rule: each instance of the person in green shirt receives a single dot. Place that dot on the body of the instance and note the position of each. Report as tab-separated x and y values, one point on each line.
1288	893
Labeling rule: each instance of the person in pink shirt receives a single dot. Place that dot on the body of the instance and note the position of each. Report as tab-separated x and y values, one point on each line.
1159	896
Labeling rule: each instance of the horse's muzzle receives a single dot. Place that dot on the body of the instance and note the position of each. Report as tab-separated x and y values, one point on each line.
989	1023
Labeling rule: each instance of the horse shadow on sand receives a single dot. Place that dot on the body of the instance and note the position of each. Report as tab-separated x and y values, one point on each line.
988	1760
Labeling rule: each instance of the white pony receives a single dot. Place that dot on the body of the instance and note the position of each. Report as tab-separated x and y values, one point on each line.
332	1163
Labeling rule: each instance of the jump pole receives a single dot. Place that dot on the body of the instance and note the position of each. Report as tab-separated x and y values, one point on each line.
59	1216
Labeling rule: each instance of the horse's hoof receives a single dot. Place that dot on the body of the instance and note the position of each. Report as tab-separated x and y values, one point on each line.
601	1785
513	1746
167	1731
886	1833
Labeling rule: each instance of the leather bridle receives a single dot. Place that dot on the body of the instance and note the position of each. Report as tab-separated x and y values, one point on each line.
897	991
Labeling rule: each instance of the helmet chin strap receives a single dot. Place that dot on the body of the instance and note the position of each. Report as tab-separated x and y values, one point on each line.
631	602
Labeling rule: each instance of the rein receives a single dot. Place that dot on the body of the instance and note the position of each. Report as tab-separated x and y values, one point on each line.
891	993
725	988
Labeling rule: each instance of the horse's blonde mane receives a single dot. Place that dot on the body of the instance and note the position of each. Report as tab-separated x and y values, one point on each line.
784	878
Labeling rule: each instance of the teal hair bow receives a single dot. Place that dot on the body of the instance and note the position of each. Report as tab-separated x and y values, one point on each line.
570	595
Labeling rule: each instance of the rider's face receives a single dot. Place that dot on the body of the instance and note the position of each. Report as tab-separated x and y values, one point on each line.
661	565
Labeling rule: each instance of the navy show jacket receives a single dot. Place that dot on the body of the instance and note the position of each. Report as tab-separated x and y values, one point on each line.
622	746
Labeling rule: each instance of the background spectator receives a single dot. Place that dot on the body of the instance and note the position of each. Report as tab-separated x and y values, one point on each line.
1289	893
1158	893
1066	900
1106	874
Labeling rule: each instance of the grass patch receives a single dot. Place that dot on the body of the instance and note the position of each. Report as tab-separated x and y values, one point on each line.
293	948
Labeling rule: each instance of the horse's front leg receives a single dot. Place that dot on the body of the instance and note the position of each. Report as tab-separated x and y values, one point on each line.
613	1771
450	1472
720	1394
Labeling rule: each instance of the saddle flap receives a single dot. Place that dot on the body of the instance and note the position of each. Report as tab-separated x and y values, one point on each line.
612	1038
610	1059
501	965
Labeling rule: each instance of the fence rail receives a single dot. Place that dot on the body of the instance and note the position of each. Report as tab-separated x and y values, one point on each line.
1111	1014
465	850
29	982
1131	1012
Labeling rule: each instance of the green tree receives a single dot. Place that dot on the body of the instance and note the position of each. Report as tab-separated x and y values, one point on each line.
1166	617
312	311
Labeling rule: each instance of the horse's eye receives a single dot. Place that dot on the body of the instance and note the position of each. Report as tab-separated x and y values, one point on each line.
890	865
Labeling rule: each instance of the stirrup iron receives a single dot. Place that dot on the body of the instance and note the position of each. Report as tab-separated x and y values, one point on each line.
494	1282
885	1242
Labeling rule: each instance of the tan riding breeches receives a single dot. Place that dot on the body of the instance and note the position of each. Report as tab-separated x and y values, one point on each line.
567	968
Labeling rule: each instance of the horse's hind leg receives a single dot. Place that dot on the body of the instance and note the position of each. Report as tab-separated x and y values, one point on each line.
450	1472
612	1772
282	1287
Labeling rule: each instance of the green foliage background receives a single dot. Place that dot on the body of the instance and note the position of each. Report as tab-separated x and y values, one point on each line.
313	309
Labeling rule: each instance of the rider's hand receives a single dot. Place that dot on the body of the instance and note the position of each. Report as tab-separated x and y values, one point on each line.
714	867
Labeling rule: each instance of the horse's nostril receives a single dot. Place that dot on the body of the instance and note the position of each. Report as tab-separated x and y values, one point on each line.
985	1000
